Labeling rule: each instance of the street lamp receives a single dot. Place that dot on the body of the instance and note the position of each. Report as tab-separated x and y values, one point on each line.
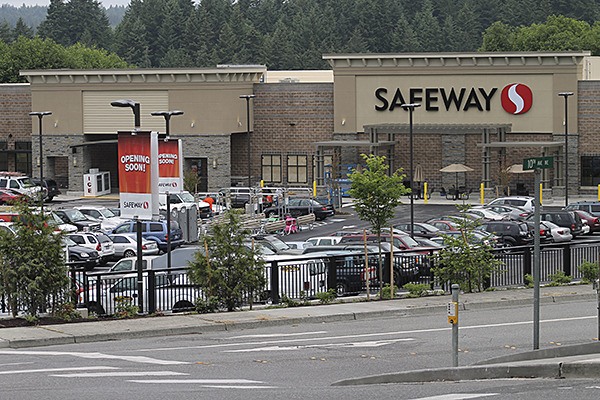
40	115
410	108
566	96
248	97
135	107
167	115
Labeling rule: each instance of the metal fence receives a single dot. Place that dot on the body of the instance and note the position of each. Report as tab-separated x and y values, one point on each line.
305	277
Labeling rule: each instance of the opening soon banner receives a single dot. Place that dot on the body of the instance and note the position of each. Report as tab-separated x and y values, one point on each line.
170	166
138	174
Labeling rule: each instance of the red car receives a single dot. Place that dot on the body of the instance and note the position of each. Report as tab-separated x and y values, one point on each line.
9	196
592	221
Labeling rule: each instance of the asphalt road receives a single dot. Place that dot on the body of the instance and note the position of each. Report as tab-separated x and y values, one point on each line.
301	361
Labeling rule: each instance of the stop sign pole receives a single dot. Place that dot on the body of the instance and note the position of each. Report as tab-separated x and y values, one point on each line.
537	164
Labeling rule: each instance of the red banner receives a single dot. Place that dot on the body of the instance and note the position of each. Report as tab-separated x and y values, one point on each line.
134	163
168	159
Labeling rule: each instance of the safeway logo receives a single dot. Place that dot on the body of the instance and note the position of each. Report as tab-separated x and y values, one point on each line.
516	98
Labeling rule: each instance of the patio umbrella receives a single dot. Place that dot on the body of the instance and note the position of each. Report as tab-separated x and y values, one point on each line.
418	175
518	169
456	168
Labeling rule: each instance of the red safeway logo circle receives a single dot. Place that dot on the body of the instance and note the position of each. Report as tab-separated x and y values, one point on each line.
146	205
516	98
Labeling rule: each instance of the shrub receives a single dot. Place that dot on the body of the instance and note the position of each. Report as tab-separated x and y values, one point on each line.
124	307
386	292
528	278
207	306
589	270
559	279
327	297
416	289
67	312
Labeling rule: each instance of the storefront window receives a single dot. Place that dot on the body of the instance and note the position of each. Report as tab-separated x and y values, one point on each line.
590	170
23	157
271	167
297	169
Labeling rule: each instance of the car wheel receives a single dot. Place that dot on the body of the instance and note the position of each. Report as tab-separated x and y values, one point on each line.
183	305
95	308
341	289
129	253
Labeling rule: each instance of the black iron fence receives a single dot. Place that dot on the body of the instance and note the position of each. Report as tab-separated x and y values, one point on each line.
305	277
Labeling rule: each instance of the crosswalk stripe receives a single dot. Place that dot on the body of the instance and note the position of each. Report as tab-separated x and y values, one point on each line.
33	371
119	374
458	396
202	381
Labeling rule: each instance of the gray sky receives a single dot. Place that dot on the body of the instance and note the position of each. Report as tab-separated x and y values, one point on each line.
19	3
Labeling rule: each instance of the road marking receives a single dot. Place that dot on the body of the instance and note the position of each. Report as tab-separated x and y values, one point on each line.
19	363
366	335
119	374
202	381
458	396
355	345
276	335
35	371
135	359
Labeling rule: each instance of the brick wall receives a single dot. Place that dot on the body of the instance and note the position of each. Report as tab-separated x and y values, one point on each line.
15	122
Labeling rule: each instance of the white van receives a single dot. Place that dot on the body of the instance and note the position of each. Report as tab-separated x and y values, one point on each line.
184	200
324	240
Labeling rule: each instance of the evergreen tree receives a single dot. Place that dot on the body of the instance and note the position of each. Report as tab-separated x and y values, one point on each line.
5	32
404	38
427	25
21	29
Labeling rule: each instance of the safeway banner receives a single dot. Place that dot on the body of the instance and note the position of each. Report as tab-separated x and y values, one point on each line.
136	155
170	166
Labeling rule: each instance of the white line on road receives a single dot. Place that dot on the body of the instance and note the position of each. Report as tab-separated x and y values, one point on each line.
276	335
34	371
136	359
365	335
118	373
202	381
458	396
355	345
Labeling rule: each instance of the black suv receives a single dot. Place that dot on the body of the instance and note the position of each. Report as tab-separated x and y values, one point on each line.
566	219
511	233
50	187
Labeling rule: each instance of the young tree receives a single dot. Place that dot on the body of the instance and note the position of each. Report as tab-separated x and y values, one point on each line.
463	262
230	269
376	194
32	264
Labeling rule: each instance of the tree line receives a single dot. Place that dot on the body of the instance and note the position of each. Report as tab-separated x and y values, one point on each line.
294	34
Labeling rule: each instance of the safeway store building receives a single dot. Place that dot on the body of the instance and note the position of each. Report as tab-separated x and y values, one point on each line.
485	110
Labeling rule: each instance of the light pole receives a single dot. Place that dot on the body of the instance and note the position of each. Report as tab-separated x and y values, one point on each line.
135	107
40	115
248	97
168	115
566	97
410	108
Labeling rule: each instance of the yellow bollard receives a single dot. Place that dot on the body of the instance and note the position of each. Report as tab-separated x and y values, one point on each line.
541	195
262	183
481	194
598	192
314	188
425	199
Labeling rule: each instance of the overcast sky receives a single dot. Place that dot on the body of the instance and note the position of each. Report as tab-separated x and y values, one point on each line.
19	3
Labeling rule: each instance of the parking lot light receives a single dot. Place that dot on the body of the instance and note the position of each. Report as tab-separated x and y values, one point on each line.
248	97
411	108
41	115
135	107
167	115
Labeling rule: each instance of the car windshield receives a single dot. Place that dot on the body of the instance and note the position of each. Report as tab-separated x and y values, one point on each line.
106	213
68	241
27	182
75	215
409	242
187	197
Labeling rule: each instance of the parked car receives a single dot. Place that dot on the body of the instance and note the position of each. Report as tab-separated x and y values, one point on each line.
420	229
50	188
592	221
525	202
156	231
545	231
559	234
185	199
108	220
59	224
10	196
511	233
443	225
77	218
96	241
592	207
567	219
299	206
402	242
324	240
20	183
81	256
237	197
515	213
475	238
125	245
486	213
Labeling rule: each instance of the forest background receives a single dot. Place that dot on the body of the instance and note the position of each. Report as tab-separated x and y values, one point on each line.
281	34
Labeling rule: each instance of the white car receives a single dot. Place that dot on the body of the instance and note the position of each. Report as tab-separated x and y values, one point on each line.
96	241
59	224
559	233
126	245
486	213
525	202
184	200
324	240
108	220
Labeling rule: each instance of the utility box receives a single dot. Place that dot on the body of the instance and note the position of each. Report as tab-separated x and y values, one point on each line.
96	183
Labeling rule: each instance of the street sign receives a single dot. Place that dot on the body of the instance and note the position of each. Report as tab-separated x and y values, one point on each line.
538	163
